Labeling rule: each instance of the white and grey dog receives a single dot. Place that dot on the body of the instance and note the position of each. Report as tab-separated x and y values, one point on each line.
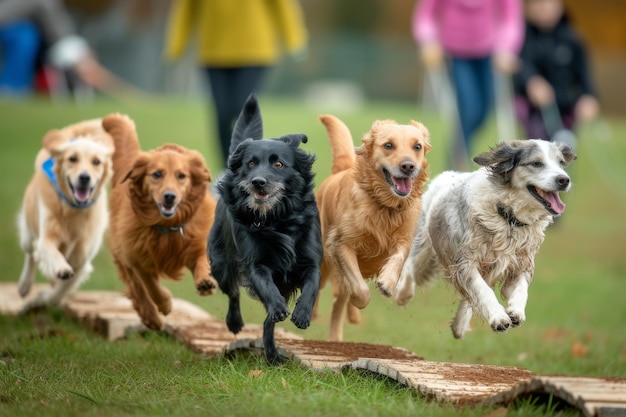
484	227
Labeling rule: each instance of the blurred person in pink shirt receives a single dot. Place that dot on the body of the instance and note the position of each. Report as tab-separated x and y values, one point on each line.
474	36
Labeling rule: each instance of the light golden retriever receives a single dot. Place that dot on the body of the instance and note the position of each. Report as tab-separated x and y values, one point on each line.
369	208
64	211
161	215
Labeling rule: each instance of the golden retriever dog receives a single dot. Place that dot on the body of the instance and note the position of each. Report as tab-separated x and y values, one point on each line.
64	212
161	215
369	208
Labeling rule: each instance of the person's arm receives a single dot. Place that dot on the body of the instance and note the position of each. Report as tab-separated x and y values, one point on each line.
291	26
426	31
181	24
509	36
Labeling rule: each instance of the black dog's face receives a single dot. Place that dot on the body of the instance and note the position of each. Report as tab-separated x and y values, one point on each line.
261	170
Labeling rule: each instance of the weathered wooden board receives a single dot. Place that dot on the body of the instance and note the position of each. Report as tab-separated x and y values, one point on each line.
111	315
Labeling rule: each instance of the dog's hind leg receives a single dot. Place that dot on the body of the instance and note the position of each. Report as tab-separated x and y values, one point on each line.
27	276
269	343
340	302
461	323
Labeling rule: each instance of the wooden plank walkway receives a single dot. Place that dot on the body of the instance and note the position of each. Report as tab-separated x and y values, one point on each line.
111	315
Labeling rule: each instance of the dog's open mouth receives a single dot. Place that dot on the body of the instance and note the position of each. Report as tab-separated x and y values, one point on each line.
81	194
401	185
167	211
261	195
550	199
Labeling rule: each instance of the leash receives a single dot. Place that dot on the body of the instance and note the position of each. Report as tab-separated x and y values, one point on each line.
48	169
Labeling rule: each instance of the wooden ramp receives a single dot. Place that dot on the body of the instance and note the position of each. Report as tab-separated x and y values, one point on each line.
111	315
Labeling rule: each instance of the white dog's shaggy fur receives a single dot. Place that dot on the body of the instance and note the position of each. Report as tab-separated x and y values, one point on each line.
484	227
64	212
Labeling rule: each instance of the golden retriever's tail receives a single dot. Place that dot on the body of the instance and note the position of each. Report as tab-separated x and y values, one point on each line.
122	129
342	147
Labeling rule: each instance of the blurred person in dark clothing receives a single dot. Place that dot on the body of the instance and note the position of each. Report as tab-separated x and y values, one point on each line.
554	73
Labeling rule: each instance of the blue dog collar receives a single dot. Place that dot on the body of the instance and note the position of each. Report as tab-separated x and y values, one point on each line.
48	169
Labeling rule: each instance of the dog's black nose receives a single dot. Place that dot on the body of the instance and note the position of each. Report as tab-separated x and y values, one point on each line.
259	181
83	179
407	166
563	181
168	198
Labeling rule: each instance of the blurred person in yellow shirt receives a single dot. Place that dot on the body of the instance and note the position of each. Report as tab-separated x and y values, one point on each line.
237	43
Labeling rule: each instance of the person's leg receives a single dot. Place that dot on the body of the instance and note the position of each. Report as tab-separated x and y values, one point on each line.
222	84
230	87
20	43
468	96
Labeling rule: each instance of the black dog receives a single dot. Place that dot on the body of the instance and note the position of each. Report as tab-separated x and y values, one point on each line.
266	234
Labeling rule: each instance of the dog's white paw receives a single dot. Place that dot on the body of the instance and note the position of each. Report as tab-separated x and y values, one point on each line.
517	317
501	323
60	270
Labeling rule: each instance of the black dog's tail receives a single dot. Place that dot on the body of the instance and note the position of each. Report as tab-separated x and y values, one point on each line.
249	124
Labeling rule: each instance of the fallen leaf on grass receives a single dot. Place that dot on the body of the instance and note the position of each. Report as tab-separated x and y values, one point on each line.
255	373
579	350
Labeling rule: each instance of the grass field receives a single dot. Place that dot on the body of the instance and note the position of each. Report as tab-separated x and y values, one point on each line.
576	315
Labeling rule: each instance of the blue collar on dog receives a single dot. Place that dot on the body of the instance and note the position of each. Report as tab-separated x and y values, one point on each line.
48	169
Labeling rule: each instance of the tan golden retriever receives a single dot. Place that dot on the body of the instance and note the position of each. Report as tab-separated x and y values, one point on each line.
64	211
161	215
369	208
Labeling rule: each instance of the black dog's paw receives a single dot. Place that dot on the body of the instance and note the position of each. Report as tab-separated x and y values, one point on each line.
301	317
234	321
278	313
275	358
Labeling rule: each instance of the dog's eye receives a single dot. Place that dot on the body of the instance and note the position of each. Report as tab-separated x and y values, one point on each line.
251	164
181	176
73	159
388	146
278	165
537	164
96	161
418	146
157	174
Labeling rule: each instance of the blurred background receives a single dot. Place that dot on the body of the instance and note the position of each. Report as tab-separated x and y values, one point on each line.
361	48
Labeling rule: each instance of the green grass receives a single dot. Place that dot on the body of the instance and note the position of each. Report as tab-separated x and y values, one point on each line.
51	366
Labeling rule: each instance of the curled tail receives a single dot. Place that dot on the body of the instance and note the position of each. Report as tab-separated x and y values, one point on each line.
342	147
122	130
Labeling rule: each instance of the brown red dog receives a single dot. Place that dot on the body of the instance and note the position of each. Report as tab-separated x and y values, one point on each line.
161	214
369	208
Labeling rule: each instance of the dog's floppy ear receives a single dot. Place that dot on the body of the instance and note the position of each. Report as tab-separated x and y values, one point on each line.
138	170
501	160
568	153
423	133
294	140
249	124
52	140
200	173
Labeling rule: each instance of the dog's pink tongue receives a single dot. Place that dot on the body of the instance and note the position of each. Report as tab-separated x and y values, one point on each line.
403	185
555	202
81	194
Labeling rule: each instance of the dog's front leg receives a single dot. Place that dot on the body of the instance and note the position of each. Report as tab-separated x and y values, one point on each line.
303	310
202	278
51	261
515	292
266	290
481	297
351	279
387	280
269	343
